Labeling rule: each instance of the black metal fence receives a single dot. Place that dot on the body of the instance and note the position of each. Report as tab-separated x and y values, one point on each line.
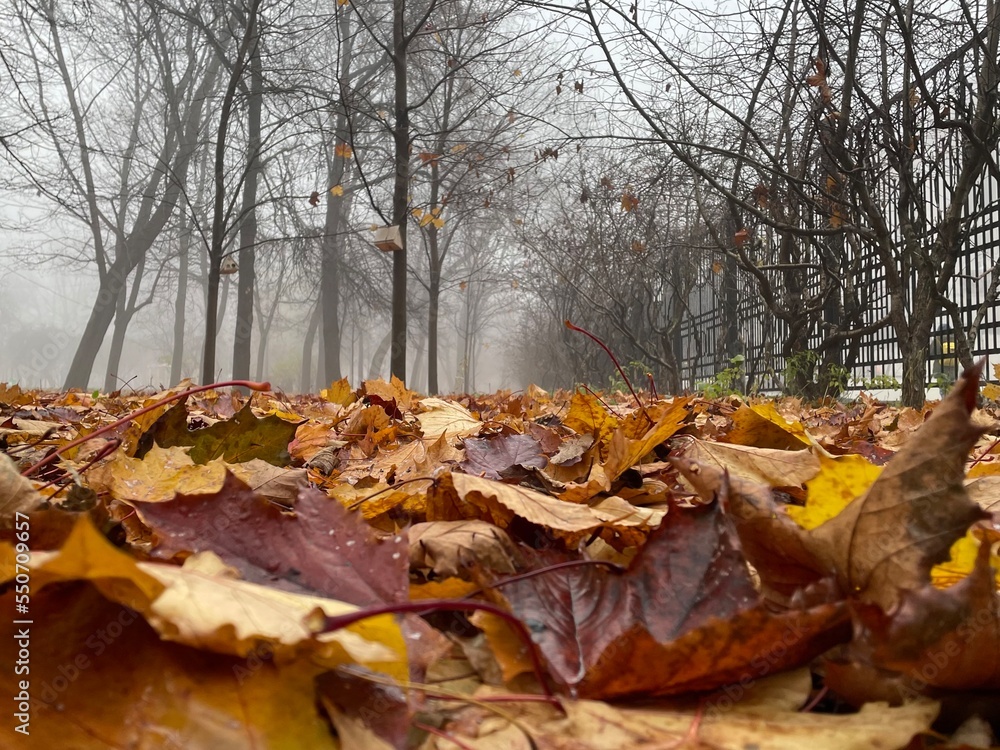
759	335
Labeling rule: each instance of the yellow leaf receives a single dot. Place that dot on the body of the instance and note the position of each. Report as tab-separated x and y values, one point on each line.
458	148
762	426
339	392
440	417
517	72
158	476
337	190
587	415
840	480
629	201
991	391
343	150
449	588
505	645
962	558
216	613
438	223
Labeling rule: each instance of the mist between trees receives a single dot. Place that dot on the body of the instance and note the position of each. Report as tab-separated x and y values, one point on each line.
204	179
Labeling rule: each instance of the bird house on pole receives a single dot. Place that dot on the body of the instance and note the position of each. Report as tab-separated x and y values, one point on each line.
388	238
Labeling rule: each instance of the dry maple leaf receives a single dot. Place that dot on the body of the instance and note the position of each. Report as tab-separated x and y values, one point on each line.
322	547
946	638
502	456
101	677
17	494
772	542
887	540
685	604
452	548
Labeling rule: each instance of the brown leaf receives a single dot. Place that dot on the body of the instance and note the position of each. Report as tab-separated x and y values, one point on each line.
946	638
322	546
17	494
452	548
887	540
101	677
776	468
502	456
746	723
686	604
772	542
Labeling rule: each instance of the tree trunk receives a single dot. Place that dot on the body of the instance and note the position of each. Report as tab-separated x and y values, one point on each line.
124	311
211	320
375	370
400	202
914	374
177	355
307	349
418	366
337	209
217	246
330	277
248	227
433	314
97	326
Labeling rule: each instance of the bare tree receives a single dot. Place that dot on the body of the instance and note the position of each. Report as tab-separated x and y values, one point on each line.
845	142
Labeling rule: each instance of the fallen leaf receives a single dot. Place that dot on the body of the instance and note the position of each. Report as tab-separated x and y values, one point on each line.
440	417
588	416
592	725
761	426
776	468
502	455
17	494
159	475
322	546
452	548
242	438
840	480
339	392
946	638
686	604
887	540
101	677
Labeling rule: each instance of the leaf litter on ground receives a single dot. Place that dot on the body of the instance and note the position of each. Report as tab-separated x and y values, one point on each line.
693	572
